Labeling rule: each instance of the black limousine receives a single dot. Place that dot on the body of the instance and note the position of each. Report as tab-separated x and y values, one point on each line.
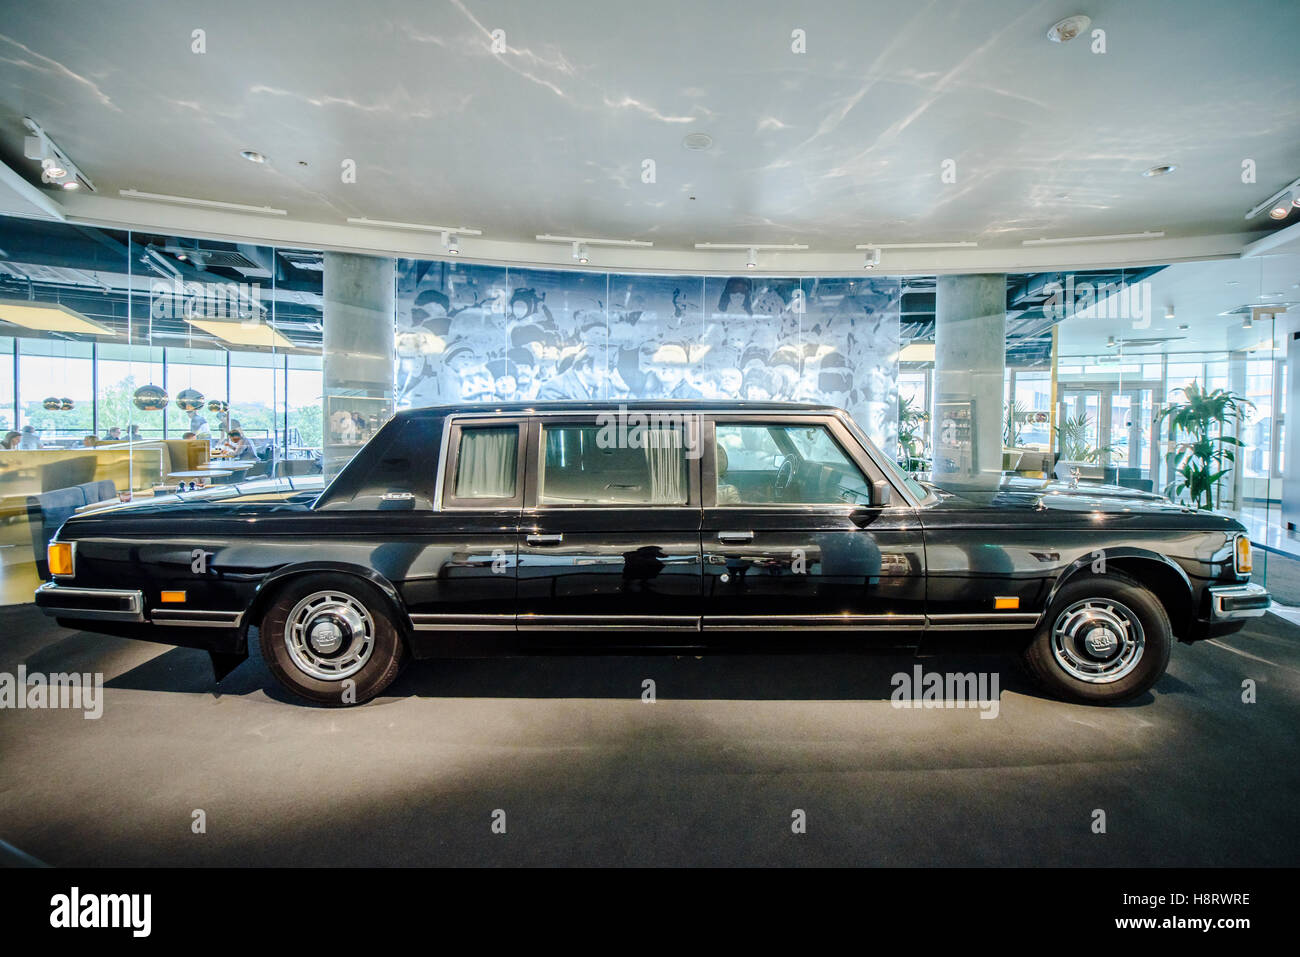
660	526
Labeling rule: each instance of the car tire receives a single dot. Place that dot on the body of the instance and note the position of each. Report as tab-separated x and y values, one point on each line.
1105	639
332	639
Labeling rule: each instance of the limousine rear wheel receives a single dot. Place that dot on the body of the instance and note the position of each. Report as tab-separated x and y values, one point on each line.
331	638
1105	639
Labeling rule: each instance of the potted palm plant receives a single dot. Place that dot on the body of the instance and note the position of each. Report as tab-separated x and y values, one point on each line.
1205	453
911	443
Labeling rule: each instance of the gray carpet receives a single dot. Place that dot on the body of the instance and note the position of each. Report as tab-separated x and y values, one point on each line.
587	773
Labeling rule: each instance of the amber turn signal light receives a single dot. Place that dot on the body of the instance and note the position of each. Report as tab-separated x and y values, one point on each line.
1006	604
173	596
59	555
1241	558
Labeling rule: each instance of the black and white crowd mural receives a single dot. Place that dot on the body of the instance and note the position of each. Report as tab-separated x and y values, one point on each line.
469	333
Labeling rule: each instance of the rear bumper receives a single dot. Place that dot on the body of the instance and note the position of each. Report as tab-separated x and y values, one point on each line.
91	604
1236	602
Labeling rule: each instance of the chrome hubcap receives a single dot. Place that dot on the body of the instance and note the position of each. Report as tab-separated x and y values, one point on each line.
329	635
1097	640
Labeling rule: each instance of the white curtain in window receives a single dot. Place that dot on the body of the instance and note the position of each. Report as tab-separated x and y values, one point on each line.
663	456
485	467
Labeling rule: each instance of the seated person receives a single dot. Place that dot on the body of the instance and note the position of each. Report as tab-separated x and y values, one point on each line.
89	441
727	494
237	446
113	435
28	439
11	440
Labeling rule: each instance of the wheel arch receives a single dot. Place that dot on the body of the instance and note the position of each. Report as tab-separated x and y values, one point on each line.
1164	577
277	580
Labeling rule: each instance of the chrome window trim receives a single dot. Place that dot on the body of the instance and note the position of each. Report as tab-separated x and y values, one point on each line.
694	410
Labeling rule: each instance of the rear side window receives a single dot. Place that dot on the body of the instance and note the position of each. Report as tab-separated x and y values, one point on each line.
486	469
580	466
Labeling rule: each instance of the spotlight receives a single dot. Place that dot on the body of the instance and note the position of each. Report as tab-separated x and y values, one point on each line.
1063	31
1169	312
56	168
872	260
580	253
1248	322
452	242
1110	342
751	260
1282	208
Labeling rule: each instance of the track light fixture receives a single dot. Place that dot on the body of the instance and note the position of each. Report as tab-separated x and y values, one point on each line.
452	243
1281	209
580	253
751	258
56	168
872	259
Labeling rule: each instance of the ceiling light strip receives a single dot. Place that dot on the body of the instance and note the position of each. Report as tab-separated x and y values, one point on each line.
961	245
1114	237
206	203
748	246
422	227
592	240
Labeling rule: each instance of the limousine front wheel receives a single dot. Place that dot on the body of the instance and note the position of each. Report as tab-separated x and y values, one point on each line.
1106	638
331	638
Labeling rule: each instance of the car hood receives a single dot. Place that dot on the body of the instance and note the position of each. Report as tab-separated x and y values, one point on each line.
256	496
1017	492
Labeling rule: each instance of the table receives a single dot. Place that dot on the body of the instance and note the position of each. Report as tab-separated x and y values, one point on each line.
200	473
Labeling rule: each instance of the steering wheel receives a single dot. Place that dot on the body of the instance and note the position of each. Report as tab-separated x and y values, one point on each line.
784	476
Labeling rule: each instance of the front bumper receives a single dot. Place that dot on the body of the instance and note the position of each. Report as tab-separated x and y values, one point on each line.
1234	602
93	604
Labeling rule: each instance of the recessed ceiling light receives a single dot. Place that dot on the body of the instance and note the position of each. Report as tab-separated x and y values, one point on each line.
697	141
72	184
1163	169
1066	30
253	156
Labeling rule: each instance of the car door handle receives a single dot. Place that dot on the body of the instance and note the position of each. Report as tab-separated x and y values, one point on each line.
737	538
551	539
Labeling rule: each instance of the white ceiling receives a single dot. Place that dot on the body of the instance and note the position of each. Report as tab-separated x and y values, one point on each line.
840	145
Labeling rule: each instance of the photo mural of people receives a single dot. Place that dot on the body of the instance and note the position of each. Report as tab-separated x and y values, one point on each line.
471	333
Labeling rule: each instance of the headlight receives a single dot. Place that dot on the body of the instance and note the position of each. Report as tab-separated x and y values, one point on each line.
1241	561
59	555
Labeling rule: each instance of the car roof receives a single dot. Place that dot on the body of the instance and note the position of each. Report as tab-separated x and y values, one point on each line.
613	405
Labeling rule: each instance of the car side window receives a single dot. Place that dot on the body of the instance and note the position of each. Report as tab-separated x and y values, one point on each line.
487	463
593	465
767	463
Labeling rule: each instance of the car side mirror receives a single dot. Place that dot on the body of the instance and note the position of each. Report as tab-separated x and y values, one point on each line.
881	493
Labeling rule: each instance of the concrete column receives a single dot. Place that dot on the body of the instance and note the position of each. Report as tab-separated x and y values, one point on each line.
969	366
358	350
